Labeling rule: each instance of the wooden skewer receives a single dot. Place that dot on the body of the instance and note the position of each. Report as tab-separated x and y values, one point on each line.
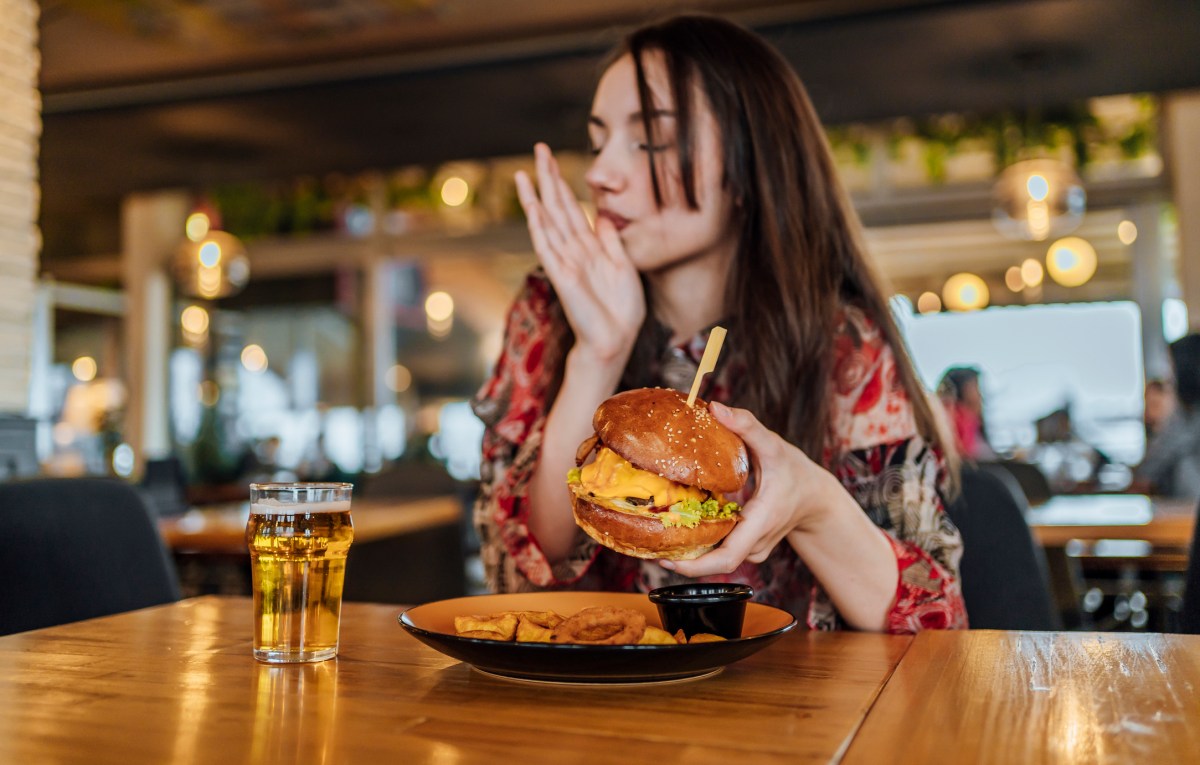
708	362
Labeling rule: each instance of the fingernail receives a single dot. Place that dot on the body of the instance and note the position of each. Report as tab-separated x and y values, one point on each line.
669	565
718	408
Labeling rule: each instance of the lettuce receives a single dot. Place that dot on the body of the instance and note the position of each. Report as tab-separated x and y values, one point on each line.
573	475
690	512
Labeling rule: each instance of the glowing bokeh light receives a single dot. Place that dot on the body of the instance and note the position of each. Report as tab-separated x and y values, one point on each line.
1071	261
1013	279
1127	232
197	226
398	378
455	191
929	302
1032	272
965	292
84	369
254	358
439	307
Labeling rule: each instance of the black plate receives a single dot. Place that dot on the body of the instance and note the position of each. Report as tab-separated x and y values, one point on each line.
433	625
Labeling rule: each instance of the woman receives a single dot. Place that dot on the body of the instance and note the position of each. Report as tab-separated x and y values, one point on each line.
1172	463
717	202
962	399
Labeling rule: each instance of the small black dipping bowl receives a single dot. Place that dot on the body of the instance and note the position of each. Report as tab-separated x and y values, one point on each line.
717	609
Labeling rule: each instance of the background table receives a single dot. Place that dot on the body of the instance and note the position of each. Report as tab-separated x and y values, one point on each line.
177	684
406	550
1164	523
1038	697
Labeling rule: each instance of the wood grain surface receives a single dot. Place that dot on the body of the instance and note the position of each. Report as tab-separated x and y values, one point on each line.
177	684
1038	697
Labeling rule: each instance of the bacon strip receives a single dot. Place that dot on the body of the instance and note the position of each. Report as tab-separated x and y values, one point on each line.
585	449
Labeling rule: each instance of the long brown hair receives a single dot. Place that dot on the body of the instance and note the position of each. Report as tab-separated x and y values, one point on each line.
800	255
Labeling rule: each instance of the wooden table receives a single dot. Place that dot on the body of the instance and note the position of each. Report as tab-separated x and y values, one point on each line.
177	684
1163	523
222	528
1038	697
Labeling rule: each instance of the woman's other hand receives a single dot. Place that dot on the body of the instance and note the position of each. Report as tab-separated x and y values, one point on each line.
796	499
786	479
599	287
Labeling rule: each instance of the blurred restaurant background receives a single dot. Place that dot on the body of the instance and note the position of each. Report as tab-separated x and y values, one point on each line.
245	240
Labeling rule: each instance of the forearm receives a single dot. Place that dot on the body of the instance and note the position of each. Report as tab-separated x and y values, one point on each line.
586	383
850	556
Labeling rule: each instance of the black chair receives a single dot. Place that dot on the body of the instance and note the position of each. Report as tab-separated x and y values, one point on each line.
1003	569
1189	615
1033	482
78	548
164	486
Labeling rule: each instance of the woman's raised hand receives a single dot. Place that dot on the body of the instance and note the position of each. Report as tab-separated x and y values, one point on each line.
598	285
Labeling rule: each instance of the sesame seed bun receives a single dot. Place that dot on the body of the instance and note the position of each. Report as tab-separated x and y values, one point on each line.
655	430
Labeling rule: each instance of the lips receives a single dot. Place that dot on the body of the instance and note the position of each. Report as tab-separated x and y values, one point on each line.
618	222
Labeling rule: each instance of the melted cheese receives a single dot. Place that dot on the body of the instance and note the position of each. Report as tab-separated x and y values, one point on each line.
612	476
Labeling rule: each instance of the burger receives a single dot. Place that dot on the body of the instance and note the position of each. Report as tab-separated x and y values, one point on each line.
659	483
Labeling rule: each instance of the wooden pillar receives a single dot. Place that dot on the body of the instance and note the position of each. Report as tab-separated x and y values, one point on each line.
1149	278
20	241
151	231
1181	112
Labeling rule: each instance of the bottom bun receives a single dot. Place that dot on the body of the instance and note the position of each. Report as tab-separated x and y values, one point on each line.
641	536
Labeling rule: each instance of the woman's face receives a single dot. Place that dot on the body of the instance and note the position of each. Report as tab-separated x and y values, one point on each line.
620	179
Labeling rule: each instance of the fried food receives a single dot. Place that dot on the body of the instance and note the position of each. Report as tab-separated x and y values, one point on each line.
602	625
503	625
533	629
654	636
482	635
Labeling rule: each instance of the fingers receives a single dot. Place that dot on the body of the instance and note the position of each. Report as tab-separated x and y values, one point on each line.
762	441
556	196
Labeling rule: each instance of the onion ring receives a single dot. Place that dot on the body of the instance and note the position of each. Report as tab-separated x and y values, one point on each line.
603	625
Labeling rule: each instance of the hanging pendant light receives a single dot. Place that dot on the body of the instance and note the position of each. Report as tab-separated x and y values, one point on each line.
1036	199
212	266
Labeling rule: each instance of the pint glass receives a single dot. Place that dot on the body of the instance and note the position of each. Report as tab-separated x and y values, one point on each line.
299	535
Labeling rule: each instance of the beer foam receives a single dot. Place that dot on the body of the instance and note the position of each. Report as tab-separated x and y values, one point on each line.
275	507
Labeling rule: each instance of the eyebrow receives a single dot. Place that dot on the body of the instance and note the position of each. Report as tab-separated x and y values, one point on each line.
634	118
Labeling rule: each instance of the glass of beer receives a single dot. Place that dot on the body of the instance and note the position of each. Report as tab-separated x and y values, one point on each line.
299	535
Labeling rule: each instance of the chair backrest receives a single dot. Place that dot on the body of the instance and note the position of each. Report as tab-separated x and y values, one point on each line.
164	485
1189	617
1004	578
77	548
1033	482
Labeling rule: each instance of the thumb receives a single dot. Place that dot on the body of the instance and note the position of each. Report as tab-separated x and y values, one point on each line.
761	440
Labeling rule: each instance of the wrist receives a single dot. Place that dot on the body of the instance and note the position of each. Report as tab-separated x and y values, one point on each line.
824	503
604	367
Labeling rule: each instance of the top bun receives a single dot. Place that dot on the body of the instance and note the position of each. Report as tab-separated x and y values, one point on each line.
655	430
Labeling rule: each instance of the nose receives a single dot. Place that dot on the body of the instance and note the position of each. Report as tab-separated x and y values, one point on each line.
605	176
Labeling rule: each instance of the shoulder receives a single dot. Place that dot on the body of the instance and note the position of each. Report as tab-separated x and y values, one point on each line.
870	404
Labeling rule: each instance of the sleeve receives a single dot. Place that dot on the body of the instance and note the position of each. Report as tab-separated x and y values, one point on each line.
899	481
513	406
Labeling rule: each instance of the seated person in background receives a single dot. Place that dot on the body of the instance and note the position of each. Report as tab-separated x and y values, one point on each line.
1160	405
963	401
1172	463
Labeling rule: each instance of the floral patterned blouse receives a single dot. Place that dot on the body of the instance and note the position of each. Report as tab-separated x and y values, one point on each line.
885	465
